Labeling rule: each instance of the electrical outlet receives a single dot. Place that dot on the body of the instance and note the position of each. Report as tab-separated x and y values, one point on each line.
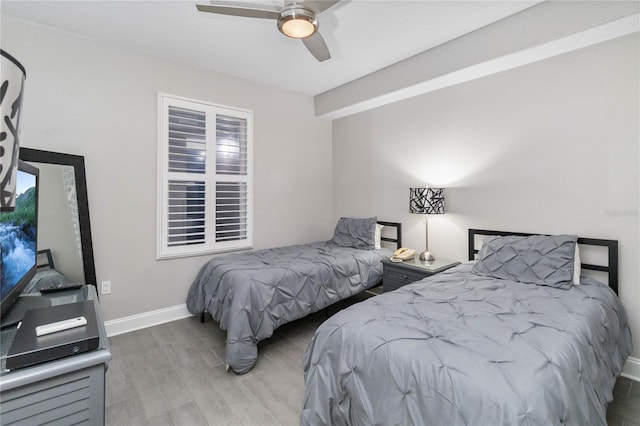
106	287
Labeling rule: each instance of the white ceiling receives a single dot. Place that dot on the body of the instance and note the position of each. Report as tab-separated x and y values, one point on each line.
363	36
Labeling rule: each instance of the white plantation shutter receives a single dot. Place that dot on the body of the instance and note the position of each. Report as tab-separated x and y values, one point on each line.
186	213
231	211
186	199
231	186
187	140
205	178
231	146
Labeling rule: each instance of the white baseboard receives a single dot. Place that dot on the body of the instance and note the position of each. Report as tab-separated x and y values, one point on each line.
631	369
146	319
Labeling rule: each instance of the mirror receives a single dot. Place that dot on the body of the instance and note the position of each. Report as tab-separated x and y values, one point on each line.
63	223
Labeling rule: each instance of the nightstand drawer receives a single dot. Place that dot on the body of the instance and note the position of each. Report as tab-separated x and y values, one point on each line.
389	284
396	275
403	275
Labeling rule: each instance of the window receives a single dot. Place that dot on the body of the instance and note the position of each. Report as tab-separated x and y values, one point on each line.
205	178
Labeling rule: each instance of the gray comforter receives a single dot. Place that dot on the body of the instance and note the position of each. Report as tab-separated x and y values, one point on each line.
251	294
459	348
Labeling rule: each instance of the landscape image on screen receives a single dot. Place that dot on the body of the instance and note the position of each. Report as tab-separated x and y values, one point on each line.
18	234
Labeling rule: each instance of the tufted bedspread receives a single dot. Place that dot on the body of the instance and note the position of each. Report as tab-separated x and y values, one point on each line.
251	294
458	348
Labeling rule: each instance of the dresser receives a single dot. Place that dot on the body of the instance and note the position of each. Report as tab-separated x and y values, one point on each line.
65	391
398	274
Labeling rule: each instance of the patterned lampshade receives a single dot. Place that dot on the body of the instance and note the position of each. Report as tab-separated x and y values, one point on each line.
13	76
426	200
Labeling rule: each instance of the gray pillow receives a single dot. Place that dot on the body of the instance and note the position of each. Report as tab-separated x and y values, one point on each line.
356	233
537	259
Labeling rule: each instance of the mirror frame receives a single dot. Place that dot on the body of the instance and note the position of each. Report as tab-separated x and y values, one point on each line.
77	162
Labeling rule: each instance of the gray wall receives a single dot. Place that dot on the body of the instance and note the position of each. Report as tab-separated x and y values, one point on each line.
551	147
83	97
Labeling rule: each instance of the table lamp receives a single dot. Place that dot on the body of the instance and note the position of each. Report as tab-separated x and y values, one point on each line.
11	89
426	201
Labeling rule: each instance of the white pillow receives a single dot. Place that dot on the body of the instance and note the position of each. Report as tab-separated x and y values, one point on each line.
576	266
377	243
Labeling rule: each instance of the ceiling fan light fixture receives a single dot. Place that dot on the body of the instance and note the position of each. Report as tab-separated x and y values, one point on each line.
297	21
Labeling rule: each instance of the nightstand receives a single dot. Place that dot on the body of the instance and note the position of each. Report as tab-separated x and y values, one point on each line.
397	274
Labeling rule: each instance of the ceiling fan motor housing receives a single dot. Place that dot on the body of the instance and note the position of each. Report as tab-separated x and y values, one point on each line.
297	21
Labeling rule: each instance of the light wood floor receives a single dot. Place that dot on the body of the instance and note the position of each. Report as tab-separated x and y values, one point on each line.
173	374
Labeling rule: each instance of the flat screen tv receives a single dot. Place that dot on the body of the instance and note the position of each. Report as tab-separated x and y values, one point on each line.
18	238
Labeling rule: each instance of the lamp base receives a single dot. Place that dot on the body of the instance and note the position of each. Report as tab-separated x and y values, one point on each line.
426	255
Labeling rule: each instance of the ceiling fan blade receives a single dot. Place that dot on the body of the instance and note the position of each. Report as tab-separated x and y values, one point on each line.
239	11
317	46
320	5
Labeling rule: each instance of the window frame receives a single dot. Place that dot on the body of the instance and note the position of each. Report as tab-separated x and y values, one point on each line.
210	177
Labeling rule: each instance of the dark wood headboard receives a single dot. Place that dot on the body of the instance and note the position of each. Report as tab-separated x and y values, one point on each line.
612	252
398	239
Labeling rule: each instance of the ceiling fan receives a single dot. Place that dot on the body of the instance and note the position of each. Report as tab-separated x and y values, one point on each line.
298	19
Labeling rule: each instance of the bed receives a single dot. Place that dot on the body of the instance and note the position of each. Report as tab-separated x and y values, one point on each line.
251	294
482	343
